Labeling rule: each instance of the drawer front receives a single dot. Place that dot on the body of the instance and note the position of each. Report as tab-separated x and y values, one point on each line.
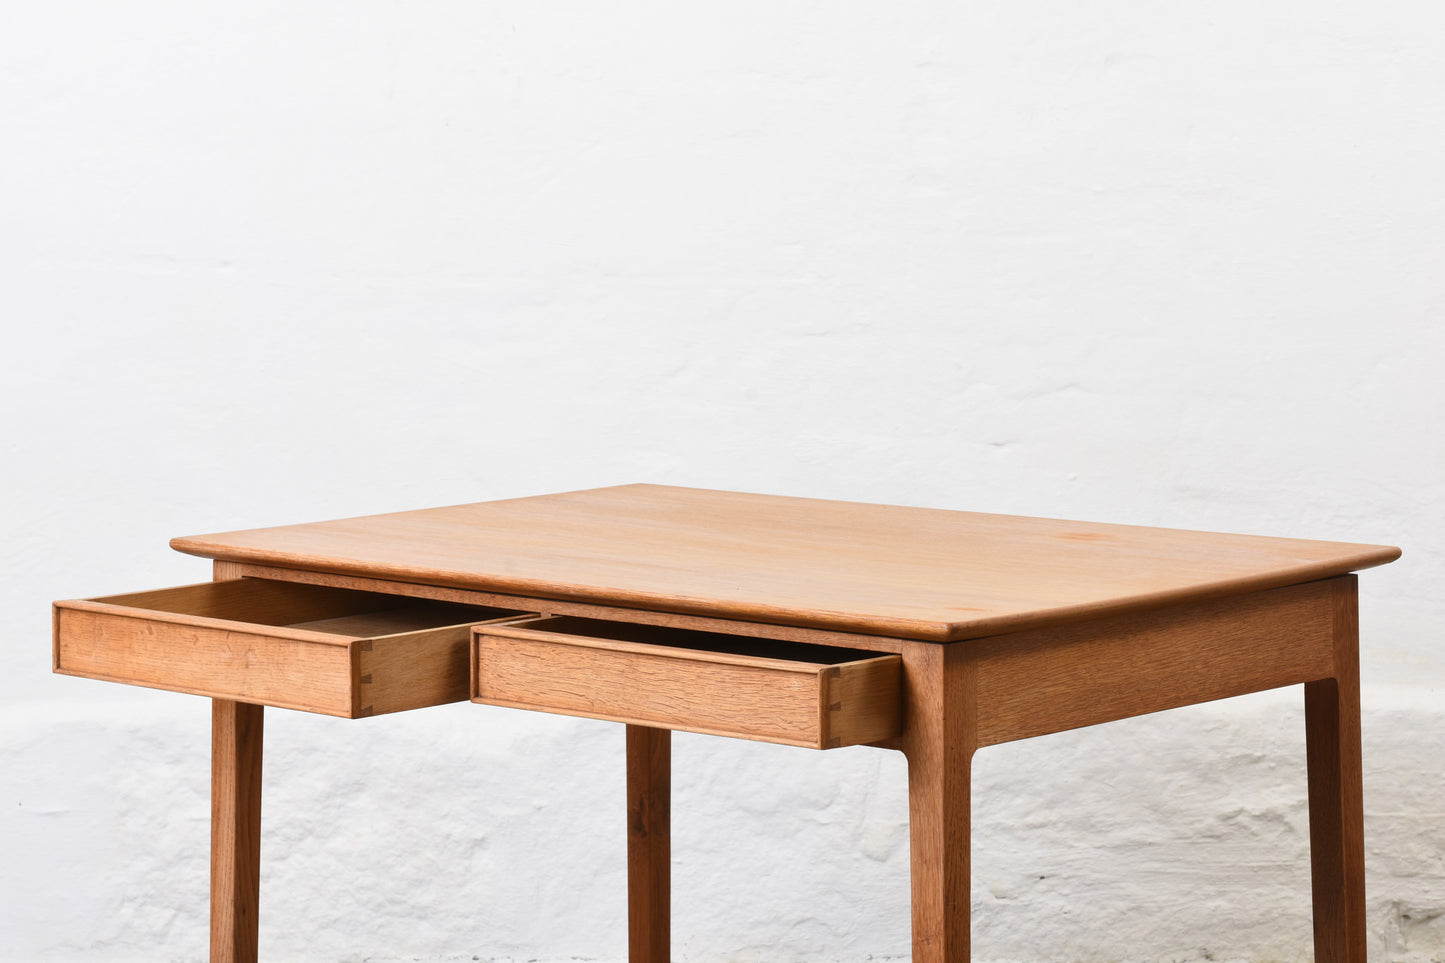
772	691
335	651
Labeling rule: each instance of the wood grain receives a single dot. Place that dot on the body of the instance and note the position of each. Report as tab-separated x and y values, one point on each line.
610	613
1050	680
1336	797
310	671
253	601
939	744
412	670
236	741
649	845
408	616
746	688
199	639
862	702
872	569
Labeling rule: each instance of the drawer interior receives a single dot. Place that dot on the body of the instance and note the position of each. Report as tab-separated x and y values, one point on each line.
318	608
696	641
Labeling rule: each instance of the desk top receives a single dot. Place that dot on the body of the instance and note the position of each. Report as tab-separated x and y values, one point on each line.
875	569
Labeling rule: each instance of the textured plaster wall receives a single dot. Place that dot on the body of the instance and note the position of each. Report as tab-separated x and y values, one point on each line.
1172	264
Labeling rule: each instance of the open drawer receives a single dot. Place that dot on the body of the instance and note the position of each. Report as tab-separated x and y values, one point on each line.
764	689
331	650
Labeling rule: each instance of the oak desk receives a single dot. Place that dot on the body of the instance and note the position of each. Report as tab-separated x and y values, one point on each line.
791	620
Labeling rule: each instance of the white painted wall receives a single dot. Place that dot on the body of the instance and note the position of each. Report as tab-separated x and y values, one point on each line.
1170	264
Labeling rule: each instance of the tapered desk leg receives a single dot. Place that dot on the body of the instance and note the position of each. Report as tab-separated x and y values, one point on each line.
1337	831
939	744
235	830
649	844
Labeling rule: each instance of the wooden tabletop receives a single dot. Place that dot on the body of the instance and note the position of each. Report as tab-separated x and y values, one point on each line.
875	569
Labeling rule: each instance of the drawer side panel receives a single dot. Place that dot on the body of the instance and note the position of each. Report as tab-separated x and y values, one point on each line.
412	671
864	702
